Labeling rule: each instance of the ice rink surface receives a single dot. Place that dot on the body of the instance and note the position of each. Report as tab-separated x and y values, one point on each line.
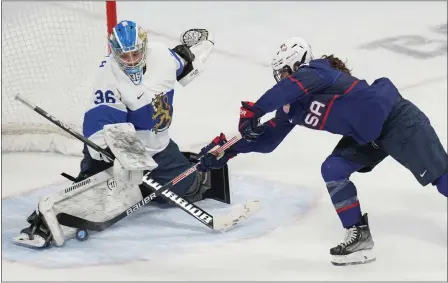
403	41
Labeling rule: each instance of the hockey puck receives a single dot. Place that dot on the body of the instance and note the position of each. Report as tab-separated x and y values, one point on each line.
82	235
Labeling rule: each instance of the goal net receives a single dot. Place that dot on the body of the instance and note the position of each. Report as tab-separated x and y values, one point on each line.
50	53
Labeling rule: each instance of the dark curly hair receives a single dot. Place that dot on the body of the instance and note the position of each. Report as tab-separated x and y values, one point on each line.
337	63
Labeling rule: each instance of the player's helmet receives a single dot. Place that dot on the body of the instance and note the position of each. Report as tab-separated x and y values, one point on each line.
291	54
127	42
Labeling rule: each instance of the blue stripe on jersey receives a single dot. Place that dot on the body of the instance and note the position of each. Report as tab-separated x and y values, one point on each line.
142	118
96	118
181	68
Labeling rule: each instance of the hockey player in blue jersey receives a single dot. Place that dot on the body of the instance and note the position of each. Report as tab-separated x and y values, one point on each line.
374	120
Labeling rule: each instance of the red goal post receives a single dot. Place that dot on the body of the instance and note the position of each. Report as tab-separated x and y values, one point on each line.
50	53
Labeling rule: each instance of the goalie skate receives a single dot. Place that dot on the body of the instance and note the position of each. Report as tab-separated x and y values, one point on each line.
35	242
37	235
97	198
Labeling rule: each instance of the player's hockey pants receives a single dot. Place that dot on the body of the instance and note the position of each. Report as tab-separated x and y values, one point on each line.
408	137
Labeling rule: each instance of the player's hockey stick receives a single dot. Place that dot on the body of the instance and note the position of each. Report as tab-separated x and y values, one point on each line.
219	223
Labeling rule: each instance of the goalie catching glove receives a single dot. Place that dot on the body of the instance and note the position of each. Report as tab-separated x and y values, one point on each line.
195	48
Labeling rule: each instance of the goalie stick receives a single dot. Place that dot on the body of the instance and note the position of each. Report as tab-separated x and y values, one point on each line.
217	223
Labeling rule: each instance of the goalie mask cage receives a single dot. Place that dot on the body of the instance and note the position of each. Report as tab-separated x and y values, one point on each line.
50	54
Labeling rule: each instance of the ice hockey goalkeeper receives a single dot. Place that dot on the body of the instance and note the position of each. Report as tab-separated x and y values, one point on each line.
130	113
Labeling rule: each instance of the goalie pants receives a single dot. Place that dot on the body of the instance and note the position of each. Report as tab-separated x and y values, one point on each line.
171	163
408	137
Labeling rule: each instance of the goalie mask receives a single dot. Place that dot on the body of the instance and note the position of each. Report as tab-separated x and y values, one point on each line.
291	54
128	45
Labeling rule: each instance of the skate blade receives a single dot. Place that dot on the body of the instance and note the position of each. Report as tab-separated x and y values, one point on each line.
24	241
359	257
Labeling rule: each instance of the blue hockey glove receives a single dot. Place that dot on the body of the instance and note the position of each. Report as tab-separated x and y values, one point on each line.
210	161
249	125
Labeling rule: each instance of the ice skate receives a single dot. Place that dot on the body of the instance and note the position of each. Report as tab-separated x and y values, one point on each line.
36	236
357	247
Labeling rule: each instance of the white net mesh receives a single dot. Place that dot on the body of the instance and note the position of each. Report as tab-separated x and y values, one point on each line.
50	53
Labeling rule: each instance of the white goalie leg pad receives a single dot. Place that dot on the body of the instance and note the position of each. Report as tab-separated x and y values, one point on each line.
130	153
201	51
45	207
98	198
46	204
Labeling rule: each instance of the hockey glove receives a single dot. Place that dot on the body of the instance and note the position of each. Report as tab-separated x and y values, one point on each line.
249	125
210	161
184	51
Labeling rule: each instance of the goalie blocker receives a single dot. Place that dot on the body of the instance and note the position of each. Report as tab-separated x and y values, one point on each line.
104	195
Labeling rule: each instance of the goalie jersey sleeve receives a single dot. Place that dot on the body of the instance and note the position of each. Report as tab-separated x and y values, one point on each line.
180	62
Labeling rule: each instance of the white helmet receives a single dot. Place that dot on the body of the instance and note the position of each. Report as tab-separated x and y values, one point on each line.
291	54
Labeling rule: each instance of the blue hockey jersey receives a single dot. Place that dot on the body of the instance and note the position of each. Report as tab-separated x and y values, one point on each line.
321	97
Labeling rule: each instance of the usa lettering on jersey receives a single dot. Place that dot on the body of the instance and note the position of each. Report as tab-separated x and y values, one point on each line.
315	113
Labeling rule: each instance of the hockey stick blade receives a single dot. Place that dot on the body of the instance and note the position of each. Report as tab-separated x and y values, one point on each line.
240	213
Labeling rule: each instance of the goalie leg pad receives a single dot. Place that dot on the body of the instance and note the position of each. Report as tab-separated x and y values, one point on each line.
100	203
97	198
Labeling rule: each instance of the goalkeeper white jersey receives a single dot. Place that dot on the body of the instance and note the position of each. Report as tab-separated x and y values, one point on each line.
148	106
